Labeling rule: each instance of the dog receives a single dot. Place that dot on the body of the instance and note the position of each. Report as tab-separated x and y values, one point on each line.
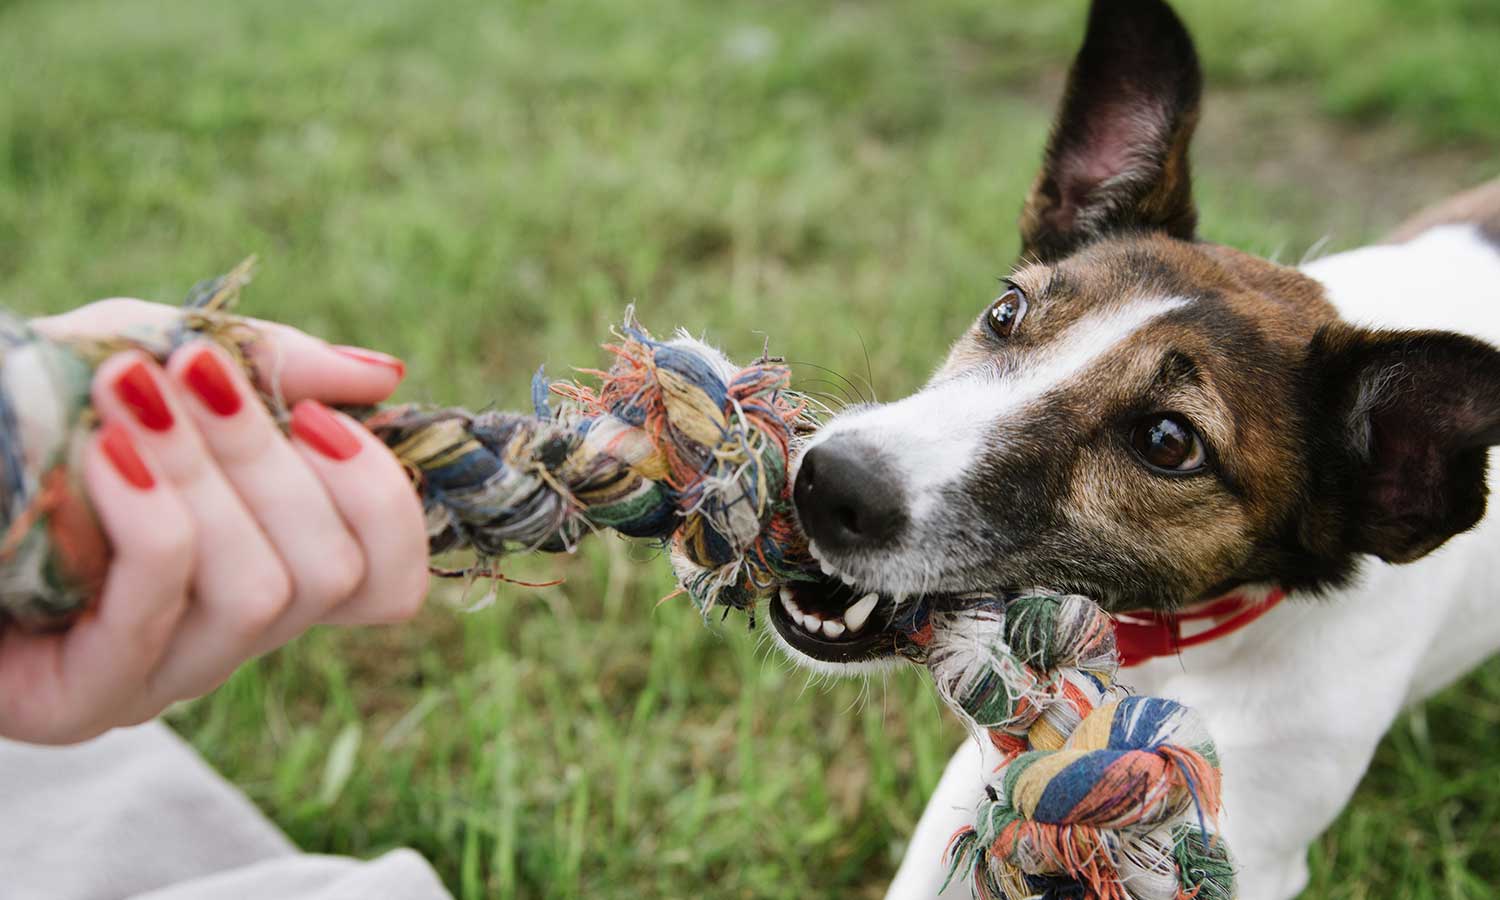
1156	421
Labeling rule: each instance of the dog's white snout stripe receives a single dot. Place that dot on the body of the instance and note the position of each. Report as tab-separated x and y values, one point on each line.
931	438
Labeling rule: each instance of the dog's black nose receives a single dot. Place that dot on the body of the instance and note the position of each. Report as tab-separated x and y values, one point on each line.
846	497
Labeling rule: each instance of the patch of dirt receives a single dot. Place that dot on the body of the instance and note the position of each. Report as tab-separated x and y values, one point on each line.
1374	175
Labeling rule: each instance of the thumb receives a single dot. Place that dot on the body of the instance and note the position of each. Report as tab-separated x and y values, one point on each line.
297	366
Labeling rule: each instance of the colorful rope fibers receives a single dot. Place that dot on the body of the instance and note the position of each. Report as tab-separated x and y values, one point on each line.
673	444
1100	795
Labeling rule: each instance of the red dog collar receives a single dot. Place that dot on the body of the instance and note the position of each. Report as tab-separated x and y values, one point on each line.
1146	634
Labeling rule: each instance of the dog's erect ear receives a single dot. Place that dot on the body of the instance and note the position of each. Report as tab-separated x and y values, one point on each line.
1118	155
1407	419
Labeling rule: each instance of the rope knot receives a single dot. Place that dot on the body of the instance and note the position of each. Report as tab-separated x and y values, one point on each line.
1100	795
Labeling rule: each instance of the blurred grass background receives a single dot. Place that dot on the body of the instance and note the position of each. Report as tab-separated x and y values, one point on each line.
481	187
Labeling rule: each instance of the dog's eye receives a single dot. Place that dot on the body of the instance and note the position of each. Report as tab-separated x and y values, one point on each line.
1166	441
1005	314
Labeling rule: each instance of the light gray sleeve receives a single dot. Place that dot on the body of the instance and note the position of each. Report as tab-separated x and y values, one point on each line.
138	814
399	875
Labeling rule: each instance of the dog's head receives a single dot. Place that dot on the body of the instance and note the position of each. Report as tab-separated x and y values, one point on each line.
1140	416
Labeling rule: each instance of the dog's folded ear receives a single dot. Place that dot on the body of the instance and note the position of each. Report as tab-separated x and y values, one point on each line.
1403	423
1118	155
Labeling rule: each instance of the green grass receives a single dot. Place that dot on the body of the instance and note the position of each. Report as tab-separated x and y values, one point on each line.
481	188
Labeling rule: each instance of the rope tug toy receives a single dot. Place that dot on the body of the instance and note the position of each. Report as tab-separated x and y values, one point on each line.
1101	796
674	445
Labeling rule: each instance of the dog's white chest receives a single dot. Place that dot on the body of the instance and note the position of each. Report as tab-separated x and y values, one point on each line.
1447	278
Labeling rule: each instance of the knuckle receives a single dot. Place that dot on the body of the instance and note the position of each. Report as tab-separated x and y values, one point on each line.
408	601
393	501
168	544
264	599
238	442
141	715
153	633
338	575
202	688
398	596
407	591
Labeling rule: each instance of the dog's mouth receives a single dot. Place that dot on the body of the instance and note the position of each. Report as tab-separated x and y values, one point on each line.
833	622
836	622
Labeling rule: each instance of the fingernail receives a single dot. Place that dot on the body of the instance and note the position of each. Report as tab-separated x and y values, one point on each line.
373	358
319	429
206	377
137	389
114	440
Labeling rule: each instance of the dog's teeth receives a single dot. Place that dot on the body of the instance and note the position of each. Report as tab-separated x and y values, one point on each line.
856	615
827	569
846	580
790	605
812	623
833	628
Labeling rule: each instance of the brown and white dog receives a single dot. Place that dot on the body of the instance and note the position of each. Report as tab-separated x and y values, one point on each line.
1154	421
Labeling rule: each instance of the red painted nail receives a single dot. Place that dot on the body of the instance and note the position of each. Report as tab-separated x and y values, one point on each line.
373	357
137	389
206	376
114	440
321	430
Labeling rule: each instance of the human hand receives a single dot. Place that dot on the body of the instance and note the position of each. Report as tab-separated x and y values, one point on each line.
229	539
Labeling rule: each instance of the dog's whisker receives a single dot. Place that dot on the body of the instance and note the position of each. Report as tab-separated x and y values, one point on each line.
869	378
829	402
1316	250
841	377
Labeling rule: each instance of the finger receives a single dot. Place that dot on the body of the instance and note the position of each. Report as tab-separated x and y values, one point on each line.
240	586
295	366
375	497
107	318
289	363
322	558
60	688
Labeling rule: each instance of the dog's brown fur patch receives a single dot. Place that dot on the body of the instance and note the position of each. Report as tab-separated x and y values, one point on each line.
1227	359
